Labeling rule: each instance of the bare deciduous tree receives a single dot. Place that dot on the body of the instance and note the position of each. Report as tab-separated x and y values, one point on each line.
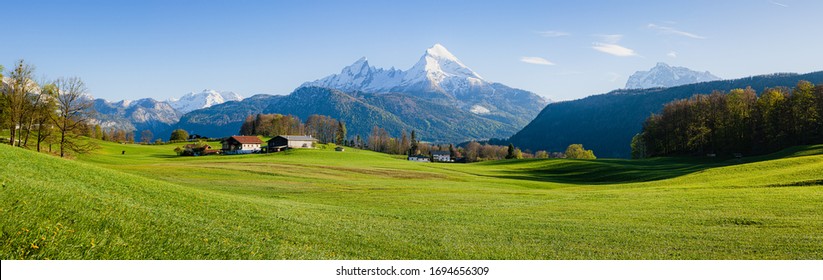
15	94
44	109
146	136
73	111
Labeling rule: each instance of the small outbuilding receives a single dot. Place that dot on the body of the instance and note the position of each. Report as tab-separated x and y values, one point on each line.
282	142
241	145
197	150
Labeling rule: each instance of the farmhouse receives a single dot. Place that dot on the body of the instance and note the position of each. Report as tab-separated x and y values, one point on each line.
419	158
241	145
198	150
441	156
282	142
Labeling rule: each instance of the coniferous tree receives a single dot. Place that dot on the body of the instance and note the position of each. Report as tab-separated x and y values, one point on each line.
405	145
414	146
340	135
510	153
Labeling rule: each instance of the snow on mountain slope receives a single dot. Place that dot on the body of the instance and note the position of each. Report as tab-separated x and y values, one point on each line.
440	71
439	75
207	98
137	116
663	75
437	70
360	76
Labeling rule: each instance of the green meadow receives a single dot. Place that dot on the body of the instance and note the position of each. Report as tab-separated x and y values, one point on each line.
320	204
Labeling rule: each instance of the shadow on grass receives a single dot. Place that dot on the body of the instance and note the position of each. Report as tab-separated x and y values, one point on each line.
165	156
605	171
616	171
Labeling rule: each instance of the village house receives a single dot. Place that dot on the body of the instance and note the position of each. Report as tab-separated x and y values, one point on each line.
282	142
198	150
241	145
418	158
441	156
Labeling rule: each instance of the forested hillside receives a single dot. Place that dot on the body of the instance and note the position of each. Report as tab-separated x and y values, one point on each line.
606	123
736	122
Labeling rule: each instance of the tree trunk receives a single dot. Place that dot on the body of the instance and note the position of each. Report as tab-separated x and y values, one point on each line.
62	141
26	138
11	133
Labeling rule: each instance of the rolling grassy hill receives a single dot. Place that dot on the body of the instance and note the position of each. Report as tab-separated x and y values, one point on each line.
321	204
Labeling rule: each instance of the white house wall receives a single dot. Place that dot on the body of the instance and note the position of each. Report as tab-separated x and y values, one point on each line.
299	144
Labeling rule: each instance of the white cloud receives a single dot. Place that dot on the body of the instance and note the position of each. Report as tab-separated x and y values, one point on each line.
672	54
536	60
670	30
614	49
553	33
779	4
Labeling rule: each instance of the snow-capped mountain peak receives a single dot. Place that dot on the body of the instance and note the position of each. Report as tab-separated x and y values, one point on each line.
125	103
361	66
437	70
438	76
438	64
207	98
663	75
440	51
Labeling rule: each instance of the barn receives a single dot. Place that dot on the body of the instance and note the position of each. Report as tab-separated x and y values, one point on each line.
282	142
241	145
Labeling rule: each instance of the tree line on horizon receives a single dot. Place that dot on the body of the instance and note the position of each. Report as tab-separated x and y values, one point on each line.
735	122
323	128
329	130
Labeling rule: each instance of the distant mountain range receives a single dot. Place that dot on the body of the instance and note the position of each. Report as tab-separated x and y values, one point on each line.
439	97
663	75
607	122
137	115
207	98
441	78
157	116
444	101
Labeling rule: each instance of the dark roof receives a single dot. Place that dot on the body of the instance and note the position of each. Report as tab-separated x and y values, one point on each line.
193	146
297	137
441	153
246	139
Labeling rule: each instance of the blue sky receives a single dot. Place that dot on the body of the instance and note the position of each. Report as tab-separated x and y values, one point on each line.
559	49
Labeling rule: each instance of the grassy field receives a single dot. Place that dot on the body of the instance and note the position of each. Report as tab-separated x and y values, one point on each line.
321	204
